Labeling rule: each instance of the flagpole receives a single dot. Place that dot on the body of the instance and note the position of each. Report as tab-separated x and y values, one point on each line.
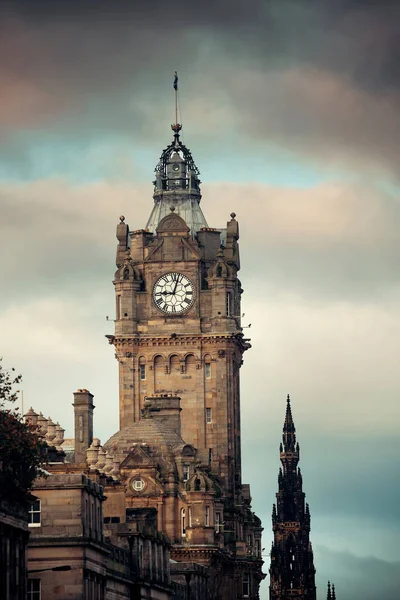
176	97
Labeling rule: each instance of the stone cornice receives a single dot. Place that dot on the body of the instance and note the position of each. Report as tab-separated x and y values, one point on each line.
180	340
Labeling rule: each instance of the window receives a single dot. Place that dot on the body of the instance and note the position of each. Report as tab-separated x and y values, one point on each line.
210	455
208	415
33	589
34	516
207	369
138	485
142	369
186	472
218	522
258	548
207	517
228	304
246	585
249	540
183	522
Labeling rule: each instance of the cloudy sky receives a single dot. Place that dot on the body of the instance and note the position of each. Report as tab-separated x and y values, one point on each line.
291	110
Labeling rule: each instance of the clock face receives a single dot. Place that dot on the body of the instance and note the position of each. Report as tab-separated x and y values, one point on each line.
173	293
175	167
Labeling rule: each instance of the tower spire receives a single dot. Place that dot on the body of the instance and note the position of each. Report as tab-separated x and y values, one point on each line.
177	182
292	567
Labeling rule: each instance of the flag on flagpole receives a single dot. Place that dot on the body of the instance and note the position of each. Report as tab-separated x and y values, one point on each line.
176	81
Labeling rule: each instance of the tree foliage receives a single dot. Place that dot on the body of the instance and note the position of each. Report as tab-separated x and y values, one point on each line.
8	380
21	450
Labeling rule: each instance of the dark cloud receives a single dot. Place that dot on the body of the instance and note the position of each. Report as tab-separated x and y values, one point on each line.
319	77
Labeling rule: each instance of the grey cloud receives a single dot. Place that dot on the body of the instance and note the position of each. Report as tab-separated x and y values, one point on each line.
358	578
331	243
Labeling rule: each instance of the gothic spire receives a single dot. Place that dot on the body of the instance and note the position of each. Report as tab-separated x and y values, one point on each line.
177	182
292	565
329	595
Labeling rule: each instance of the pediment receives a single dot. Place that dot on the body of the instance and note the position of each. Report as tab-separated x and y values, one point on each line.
137	458
173	223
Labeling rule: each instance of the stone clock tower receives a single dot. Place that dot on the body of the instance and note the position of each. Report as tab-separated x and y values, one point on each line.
178	335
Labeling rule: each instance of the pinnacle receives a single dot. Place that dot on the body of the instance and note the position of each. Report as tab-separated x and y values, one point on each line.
289	430
329	595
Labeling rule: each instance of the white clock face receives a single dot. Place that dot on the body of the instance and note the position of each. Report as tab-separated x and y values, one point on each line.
173	293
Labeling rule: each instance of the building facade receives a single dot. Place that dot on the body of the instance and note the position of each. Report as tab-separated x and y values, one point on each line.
14	534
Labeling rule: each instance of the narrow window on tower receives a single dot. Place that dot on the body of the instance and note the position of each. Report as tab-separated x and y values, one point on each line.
142	369
217	522
207	369
183	522
208	415
210	456
207	517
246	585
228	304
118	306
186	472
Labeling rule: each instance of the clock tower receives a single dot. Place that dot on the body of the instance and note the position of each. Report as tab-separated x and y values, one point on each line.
178	335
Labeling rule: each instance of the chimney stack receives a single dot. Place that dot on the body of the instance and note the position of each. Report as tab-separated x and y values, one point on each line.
83	412
165	408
